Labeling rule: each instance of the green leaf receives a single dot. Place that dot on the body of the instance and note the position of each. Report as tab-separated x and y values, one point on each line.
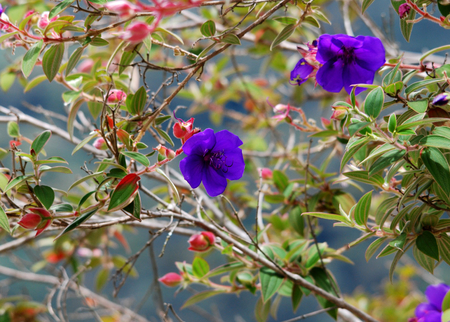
165	136
415	86
436	141
280	180
444	247
366	4
40	141
323	280
99	42
363	176
314	256
312	21
399	242
356	127
124	192
84	142
35	82
200	297
208	28
296	298
419	106
200	267
69	96
45	194
386	160
72	115
285	20
283	35
139	157
76	183
60	7
296	220
6	80
4	223
270	282
372	249
13	129
6	36
352	148
446	304
138	101
174	35
437	164
77	222
101	278
328	216
445	315
31	57
45	168
392	123
127	58
16	181
225	268
73	60
426	243
62	207
134	208
362	209
231	39
423	260
397	257
374	102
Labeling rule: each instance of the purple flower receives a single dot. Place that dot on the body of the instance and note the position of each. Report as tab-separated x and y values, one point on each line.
301	72
432	310
403	10
441	99
1	9
347	61
212	158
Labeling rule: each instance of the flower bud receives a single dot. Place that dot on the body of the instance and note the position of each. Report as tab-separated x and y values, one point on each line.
38	219
44	21
441	99
136	32
326	123
86	66
100	144
116	96
201	242
403	10
171	279
165	152
30	221
339	112
125	9
181	128
266	173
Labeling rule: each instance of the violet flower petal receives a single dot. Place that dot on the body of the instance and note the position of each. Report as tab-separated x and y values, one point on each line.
192	168
435	295
214	182
200	142
329	76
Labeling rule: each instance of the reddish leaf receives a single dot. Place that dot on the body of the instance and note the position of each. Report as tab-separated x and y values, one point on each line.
124	192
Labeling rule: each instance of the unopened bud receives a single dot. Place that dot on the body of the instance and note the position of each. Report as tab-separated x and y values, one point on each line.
165	152
171	279
266	173
403	10
201	242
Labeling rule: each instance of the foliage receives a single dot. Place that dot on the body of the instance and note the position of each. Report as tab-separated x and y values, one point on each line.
128	69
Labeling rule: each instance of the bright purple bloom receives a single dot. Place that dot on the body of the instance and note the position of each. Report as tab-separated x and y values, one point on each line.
432	310
1	9
441	99
212	158
347	61
301	72
403	10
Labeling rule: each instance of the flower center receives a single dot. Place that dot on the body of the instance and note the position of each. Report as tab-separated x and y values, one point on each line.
348	55
217	160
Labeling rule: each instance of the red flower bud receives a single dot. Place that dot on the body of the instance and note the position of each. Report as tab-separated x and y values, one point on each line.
181	128
201	242
38	219
165	152
171	279
339	112
266	173
116	96
100	144
30	221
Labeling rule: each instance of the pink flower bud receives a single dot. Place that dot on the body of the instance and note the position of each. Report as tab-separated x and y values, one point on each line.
266	173
44	21
136	32
201	242
116	96
86	66
125	9
181	128
165	152
339	112
403	10
30	221
171	279
325	122
38	219
100	144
